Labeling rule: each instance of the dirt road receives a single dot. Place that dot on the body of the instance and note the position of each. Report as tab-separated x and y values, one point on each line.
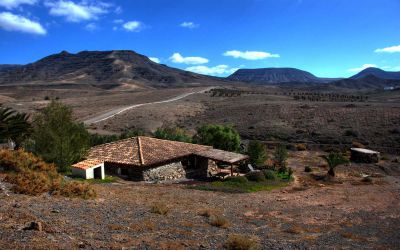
109	114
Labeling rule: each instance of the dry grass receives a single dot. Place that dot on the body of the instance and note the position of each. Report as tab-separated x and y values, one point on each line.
143	226
219	221
159	208
240	242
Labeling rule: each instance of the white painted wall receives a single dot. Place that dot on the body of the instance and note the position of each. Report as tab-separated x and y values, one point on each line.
88	173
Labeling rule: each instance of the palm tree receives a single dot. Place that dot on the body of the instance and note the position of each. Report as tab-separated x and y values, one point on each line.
334	160
14	126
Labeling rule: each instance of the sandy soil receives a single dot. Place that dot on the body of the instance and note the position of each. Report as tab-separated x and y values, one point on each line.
346	213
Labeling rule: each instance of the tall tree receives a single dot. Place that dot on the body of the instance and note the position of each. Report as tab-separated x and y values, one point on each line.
257	152
280	157
57	137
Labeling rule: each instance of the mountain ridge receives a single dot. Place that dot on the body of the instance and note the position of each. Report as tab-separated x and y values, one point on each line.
102	67
276	75
377	72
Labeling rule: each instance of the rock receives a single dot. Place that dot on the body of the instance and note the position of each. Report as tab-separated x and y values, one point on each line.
37	226
362	155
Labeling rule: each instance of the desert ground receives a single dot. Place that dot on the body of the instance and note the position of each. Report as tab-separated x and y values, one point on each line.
345	213
263	113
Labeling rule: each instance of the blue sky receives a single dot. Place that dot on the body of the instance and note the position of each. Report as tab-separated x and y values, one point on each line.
329	38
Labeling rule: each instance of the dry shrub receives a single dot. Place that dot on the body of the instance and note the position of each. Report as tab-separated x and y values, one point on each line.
219	221
159	208
19	160
170	245
240	242
301	147
31	175
144	225
294	230
77	189
30	182
206	213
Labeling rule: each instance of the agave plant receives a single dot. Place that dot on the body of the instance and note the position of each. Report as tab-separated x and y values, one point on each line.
14	126
334	160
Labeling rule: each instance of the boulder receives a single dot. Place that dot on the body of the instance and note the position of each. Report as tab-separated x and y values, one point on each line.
362	155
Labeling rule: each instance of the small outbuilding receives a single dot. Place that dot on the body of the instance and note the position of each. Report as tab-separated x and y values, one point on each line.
362	155
89	169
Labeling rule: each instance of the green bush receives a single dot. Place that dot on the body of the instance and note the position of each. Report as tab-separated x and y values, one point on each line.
237	179
270	174
256	176
173	134
218	136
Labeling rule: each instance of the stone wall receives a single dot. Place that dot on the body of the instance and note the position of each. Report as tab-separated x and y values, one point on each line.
167	172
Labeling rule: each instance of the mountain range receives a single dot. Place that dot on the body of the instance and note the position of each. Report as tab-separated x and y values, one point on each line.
130	69
119	67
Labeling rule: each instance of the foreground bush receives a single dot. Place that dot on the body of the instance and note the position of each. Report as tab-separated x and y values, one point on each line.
30	182
18	161
240	242
159	208
219	221
32	176
76	189
256	176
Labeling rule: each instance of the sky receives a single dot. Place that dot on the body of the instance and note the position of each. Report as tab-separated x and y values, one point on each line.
329	38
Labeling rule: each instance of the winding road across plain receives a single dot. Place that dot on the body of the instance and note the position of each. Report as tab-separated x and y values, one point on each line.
109	114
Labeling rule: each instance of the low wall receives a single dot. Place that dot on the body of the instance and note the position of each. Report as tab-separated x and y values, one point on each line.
167	172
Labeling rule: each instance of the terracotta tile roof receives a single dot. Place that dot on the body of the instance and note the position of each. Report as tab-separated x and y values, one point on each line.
143	151
87	163
221	155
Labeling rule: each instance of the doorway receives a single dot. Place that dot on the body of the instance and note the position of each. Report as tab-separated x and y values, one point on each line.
97	173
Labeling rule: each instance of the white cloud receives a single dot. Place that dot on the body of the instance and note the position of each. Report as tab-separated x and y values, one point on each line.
392	49
91	26
250	55
178	58
214	71
77	12
189	25
155	59
11	22
10	4
368	65
135	26
118	21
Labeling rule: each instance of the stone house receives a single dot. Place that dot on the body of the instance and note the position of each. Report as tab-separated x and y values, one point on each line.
151	159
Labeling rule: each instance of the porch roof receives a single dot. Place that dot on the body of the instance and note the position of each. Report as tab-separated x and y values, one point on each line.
222	156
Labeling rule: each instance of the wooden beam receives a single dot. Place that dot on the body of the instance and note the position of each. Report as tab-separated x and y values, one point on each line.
231	169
